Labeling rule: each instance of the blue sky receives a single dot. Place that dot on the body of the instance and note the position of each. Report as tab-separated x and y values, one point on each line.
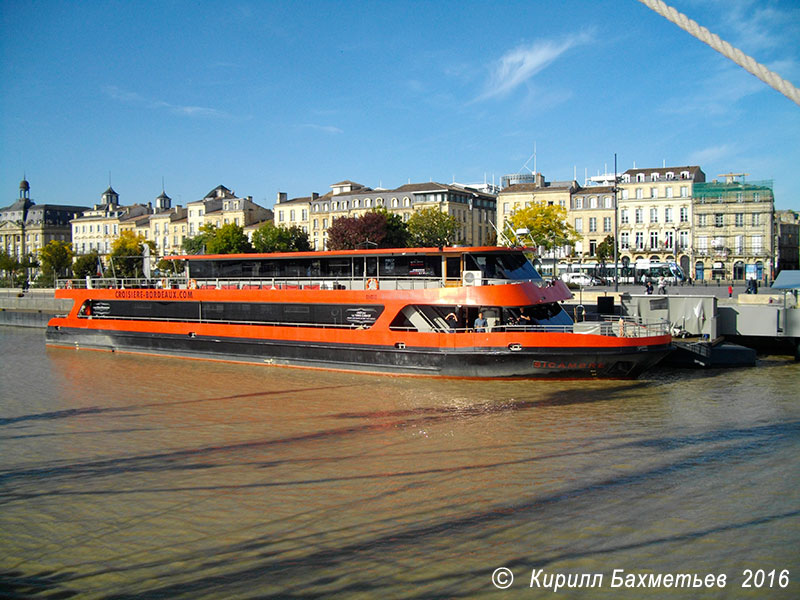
295	96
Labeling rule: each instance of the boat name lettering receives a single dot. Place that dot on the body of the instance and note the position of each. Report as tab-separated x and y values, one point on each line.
540	364
154	294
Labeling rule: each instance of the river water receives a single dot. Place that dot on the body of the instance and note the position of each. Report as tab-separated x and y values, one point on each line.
127	476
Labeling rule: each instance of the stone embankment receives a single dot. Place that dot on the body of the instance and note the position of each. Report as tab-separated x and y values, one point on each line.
32	308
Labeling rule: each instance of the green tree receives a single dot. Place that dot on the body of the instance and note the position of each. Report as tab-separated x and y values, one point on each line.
56	257
169	267
431	227
272	238
127	254
228	239
10	266
198	243
605	249
547	226
86	264
397	235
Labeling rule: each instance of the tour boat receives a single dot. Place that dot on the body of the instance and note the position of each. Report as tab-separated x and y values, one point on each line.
476	312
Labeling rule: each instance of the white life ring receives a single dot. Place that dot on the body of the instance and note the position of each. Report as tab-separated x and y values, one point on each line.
372	283
192	284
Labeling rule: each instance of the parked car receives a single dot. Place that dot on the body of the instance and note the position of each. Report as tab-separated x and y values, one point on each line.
581	279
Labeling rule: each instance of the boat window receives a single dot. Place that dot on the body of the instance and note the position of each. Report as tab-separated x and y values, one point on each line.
512	266
262	313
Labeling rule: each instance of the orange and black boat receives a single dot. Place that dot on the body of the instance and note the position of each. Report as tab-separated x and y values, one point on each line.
462	312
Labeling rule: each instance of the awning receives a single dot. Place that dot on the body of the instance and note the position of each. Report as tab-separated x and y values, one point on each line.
787	280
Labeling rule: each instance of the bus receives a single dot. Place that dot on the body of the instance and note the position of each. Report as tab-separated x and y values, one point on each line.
646	270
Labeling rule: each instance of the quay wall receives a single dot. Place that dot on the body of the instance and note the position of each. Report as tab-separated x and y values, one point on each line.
33	308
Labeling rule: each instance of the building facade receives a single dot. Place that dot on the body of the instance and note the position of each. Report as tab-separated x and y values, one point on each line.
787	240
536	191
733	229
97	228
591	213
27	227
655	215
220	207
474	210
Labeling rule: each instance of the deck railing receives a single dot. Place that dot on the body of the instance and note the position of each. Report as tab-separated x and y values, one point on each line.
270	283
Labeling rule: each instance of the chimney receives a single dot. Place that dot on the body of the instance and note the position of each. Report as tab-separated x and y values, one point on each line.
314	195
282	196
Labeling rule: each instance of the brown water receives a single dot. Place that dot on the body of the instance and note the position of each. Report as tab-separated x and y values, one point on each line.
124	476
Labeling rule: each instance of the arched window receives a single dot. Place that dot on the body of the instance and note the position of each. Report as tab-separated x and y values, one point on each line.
367	202
406	201
356	203
394	203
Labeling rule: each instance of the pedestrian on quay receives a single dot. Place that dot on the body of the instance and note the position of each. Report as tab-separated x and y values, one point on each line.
730	291
662	286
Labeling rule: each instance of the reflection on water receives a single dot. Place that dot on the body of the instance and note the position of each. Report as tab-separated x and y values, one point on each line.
124	476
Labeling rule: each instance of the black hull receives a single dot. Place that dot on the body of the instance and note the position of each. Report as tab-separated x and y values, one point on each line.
546	363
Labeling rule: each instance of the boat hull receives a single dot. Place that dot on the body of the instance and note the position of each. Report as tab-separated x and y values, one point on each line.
533	358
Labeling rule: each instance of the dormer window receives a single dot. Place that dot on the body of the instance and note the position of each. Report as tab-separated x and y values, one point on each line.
654	176
685	175
626	178
670	175
640	177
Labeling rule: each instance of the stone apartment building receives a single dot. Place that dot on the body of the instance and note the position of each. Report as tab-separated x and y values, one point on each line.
591	213
536	191
27	227
787	239
655	214
165	225
475	210
733	229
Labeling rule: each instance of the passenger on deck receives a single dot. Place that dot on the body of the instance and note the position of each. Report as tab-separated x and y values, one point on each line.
452	321
480	323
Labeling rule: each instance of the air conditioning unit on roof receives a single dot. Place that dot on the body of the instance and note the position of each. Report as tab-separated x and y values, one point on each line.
471	278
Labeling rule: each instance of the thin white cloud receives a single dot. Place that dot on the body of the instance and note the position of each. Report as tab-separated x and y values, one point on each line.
712	154
324	128
519	65
135	99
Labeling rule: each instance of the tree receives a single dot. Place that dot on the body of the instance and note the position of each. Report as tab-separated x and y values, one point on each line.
432	227
127	254
10	265
605	249
547	226
86	264
272	238
56	257
228	239
374	229
197	244
397	234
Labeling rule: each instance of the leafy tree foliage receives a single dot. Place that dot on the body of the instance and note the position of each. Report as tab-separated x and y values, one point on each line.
431	227
272	238
127	253
86	264
547	226
228	239
605	249
374	229
397	235
170	267
10	266
198	243
56	257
